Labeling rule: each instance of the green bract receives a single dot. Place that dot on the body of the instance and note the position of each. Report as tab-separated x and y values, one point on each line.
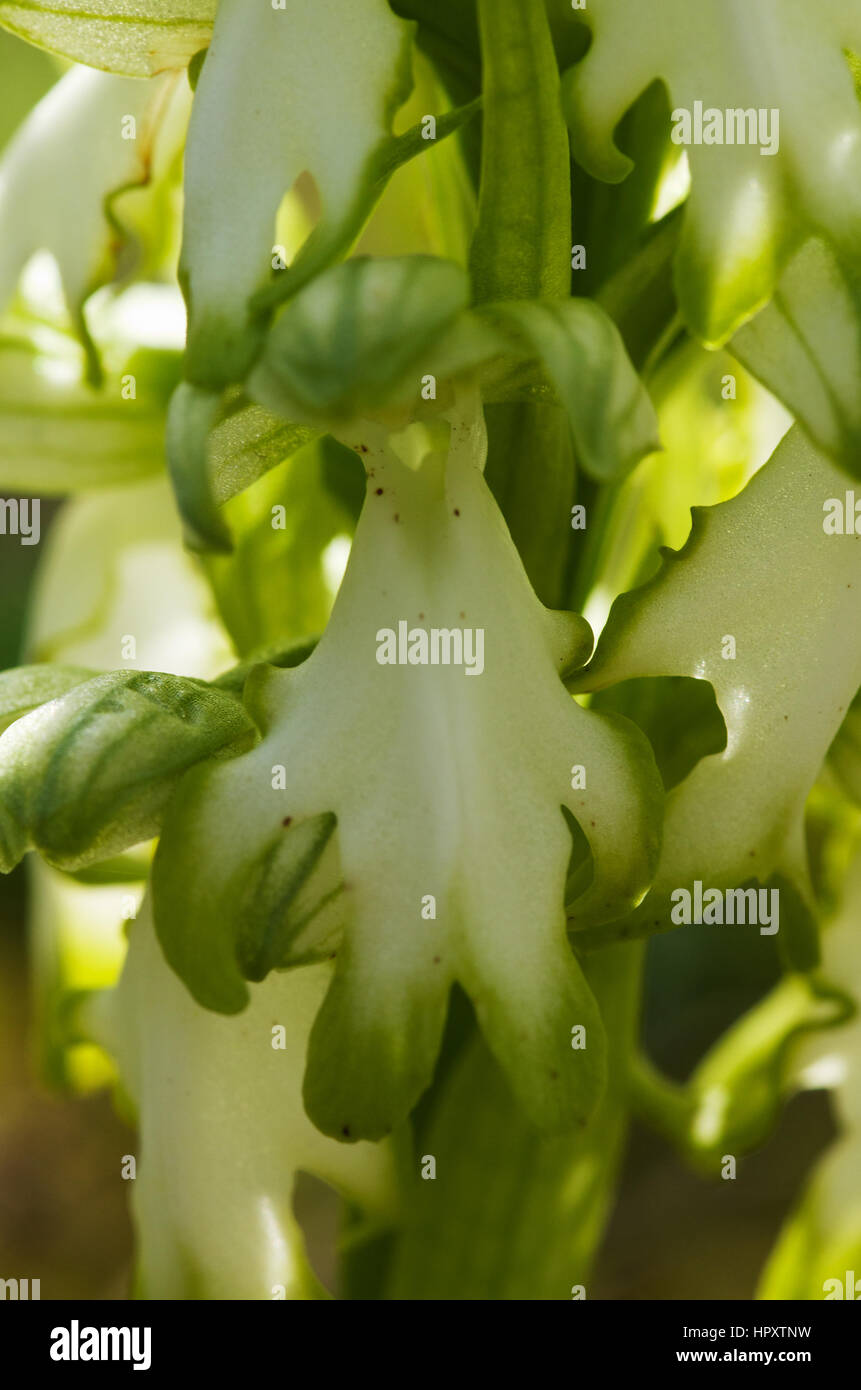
395	337
354	341
26	687
89	773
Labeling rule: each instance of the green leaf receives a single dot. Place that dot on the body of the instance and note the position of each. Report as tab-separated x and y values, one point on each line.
25	687
89	774
611	417
217	446
805	346
246	441
344	347
747	210
60	172
425	768
521	246
136	37
318	86
192	414
755	569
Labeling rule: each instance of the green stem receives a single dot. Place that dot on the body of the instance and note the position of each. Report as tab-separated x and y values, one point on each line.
663	1104
521	248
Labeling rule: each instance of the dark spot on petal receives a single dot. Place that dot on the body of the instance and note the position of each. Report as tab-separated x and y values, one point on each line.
288	820
436	960
457	511
345	1130
397	516
378	491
